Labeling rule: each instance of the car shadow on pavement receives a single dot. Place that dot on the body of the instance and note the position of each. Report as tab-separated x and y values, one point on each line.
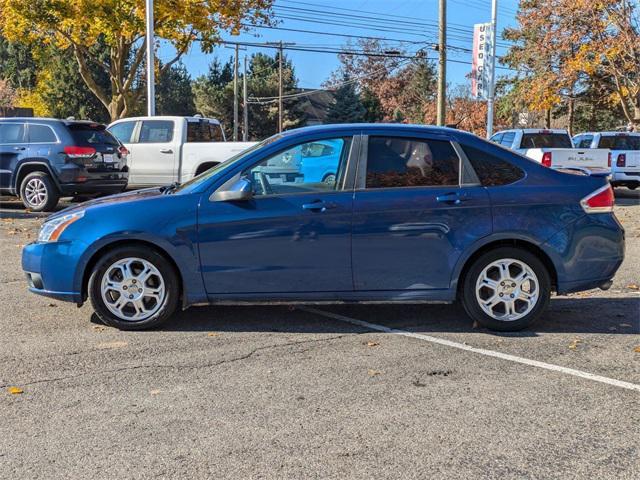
596	315
15	209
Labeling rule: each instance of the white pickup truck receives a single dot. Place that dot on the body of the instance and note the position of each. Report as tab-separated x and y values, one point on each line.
554	148
625	154
167	149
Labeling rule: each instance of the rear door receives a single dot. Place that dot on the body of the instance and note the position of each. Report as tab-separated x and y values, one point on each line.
107	158
13	147
416	209
154	153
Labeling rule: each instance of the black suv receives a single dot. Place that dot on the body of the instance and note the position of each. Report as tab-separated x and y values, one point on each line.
43	159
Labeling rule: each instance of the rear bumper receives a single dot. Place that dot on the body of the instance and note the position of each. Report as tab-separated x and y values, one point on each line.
50	269
625	178
588	253
108	178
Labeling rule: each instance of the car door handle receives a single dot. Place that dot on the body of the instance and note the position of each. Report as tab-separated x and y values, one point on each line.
19	148
318	206
166	150
454	198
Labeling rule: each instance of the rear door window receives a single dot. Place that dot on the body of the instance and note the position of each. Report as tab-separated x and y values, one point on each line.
41	134
620	142
156	131
88	134
394	162
546	140
123	131
12	132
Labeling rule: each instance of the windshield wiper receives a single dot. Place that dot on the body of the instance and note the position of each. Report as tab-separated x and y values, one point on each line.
166	189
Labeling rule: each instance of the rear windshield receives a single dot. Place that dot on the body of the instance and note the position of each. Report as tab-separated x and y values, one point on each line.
546	140
92	135
620	142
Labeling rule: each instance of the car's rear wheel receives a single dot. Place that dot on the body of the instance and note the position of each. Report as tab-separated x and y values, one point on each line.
506	289
38	192
133	288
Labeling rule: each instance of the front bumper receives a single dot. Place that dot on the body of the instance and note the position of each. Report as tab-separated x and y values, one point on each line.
51	269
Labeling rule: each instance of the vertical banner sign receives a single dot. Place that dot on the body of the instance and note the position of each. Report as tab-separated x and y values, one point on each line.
482	61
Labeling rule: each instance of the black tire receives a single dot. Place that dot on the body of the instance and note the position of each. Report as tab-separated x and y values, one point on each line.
472	304
49	189
168	274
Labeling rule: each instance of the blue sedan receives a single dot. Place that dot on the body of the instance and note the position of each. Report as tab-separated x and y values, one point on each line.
410	214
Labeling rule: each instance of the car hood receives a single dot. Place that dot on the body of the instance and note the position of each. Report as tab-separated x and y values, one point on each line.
132	196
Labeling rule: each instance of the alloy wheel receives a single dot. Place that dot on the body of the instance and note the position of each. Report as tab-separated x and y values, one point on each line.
133	289
507	289
35	192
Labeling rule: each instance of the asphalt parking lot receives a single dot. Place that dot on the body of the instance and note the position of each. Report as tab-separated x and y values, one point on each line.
278	392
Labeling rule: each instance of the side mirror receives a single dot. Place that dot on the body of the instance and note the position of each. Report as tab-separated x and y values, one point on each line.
235	190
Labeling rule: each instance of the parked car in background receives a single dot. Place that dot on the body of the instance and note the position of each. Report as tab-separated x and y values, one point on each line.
624	158
553	148
414	214
43	159
167	149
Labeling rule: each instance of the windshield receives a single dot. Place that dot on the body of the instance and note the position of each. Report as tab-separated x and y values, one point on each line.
207	174
620	142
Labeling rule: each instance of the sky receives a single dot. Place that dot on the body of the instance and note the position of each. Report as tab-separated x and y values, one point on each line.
411	24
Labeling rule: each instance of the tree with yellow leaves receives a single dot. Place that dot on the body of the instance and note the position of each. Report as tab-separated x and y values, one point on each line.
563	47
120	24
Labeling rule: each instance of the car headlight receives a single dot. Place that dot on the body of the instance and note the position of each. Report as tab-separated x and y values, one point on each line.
52	229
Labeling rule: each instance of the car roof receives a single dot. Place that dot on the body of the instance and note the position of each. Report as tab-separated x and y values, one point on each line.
535	130
338	127
188	118
67	121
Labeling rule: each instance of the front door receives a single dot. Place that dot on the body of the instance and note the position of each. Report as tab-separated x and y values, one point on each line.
414	215
293	236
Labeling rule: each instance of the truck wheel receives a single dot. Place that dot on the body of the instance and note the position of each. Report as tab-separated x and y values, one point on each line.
134	288
38	192
506	289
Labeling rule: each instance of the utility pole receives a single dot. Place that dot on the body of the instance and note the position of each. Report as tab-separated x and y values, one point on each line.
245	104
492	72
281	46
442	63
280	88
151	90
235	95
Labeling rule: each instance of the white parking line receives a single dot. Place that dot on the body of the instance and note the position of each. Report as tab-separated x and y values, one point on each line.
481	351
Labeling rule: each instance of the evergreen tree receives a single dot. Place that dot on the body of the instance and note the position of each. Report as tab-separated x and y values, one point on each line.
174	93
347	107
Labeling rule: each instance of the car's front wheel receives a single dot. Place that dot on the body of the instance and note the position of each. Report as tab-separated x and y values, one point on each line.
506	289
133	288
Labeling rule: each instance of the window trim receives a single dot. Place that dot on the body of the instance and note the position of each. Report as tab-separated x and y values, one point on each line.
361	175
341	187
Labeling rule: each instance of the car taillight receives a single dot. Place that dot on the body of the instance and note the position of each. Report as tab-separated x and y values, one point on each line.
79	152
622	160
546	159
609	160
601	200
123	151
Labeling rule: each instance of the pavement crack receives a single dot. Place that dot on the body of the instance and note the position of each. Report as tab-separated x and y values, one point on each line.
182	367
